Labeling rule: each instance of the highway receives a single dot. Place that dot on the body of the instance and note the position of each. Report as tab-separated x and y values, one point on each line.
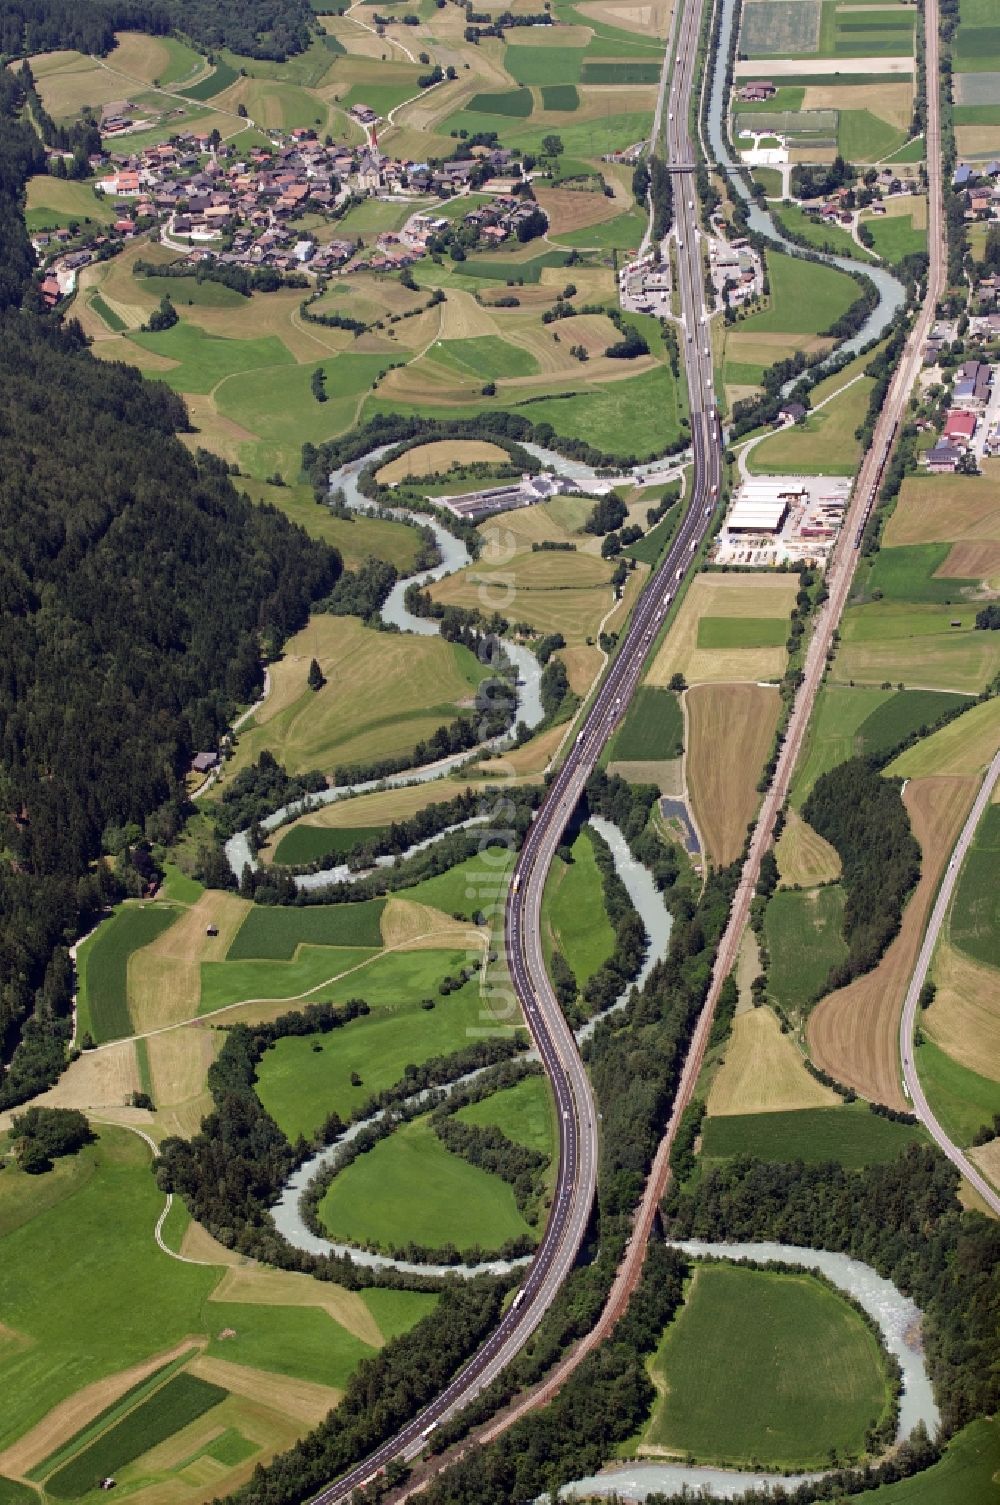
577	1117
907	1023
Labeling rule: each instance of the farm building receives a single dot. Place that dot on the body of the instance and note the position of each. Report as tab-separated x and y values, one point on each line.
504	498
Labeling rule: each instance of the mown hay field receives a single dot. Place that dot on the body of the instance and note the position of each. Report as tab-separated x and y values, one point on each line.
964	1019
753	596
804	857
568	592
383	693
763	1071
853	1033
730	731
439	457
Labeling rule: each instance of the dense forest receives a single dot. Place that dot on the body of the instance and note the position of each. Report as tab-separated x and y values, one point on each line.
862	815
257	28
115	669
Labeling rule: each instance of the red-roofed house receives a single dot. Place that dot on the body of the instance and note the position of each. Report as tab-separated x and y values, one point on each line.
959	428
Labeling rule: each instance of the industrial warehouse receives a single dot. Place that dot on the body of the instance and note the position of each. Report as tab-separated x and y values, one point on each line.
775	520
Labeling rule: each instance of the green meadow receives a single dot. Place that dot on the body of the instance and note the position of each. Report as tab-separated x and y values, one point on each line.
850	1135
102	964
409	1188
304	1078
760	1367
805	939
574	920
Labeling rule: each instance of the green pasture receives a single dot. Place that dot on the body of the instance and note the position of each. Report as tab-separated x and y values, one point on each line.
177	1403
282	411
620	72
831	736
485	356
54	202
638	415
307	68
186	292
804	939
896	641
102	1205
806	297
102	967
304	1078
741	632
205	360
302	1342
275	932
14	1493
907	573
770	180
315	843
851	1135
356	537
975	919
539	65
760	1367
586	138
825	441
977	48
373	216
976	114
623	232
867	137
961	1100
385	96
477	884
653	727
409	1188
560	97
652	544
524	1112
574	920
302	980
894	236
905	712
517	103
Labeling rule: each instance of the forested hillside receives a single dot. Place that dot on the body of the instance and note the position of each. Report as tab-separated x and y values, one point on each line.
257	28
136	590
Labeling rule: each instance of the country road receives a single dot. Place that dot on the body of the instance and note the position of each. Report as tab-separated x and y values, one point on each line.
907	1023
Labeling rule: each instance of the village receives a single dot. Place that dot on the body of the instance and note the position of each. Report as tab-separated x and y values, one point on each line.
244	209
